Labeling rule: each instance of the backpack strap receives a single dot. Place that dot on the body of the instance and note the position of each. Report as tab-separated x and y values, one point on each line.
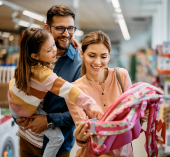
150	145
119	79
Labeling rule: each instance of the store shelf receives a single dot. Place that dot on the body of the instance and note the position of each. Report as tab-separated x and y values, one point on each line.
163	72
165	55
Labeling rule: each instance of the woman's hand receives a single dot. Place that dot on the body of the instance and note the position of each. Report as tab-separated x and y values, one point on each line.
75	44
80	132
96	111
145	118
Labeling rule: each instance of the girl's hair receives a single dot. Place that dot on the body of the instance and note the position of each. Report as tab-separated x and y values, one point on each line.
32	41
95	37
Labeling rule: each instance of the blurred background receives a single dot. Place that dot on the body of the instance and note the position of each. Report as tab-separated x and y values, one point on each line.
139	31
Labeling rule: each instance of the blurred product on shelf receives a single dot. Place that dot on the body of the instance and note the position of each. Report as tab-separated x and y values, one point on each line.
9	56
6	74
164	113
163	63
163	73
163	58
167	87
166	48
167	145
160	131
143	69
3	53
161	149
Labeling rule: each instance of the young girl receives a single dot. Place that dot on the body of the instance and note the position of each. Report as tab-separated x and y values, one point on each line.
33	79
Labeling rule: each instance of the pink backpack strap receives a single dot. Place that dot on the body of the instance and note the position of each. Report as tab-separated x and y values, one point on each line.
151	146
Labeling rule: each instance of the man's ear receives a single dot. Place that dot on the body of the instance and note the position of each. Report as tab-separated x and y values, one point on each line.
34	56
81	54
47	27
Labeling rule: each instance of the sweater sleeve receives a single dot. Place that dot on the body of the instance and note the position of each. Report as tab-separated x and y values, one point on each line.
41	82
45	80
22	103
72	93
17	109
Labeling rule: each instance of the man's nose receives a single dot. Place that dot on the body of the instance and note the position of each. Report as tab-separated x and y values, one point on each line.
66	33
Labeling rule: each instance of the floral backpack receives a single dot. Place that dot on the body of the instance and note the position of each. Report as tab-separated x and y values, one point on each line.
120	124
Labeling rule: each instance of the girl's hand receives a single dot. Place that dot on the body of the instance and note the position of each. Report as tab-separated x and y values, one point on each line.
22	121
75	44
96	111
38	123
80	132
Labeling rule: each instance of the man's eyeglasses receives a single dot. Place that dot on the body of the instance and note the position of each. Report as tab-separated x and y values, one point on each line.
61	29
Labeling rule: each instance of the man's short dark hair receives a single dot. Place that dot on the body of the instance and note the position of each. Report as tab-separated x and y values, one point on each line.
58	10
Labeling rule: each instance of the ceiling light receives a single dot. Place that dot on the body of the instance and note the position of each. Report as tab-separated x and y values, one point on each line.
124	29
33	15
24	23
119	16
118	10
35	26
115	3
79	33
1	2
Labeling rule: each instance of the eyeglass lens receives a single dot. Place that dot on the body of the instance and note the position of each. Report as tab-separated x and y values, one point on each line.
62	29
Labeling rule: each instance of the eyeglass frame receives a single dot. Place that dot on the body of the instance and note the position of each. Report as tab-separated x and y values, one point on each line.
64	28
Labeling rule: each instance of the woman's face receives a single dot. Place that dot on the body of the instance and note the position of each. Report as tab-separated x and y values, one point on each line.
95	57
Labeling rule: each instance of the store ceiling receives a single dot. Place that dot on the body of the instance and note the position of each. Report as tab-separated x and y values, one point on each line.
92	14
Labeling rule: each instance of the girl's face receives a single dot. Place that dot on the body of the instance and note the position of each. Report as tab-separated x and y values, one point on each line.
95	57
47	51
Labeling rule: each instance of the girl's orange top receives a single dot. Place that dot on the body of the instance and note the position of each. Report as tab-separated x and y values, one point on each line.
104	95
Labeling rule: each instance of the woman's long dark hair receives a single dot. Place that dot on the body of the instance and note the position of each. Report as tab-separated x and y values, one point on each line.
32	41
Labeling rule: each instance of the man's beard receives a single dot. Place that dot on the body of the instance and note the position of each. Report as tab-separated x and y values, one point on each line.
62	47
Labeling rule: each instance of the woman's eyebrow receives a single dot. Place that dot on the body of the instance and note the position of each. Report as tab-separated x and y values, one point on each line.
101	54
92	52
104	53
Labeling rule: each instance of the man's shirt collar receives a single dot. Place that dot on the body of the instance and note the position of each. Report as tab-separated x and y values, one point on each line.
71	52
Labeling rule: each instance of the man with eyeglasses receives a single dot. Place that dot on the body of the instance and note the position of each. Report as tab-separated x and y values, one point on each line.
60	22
